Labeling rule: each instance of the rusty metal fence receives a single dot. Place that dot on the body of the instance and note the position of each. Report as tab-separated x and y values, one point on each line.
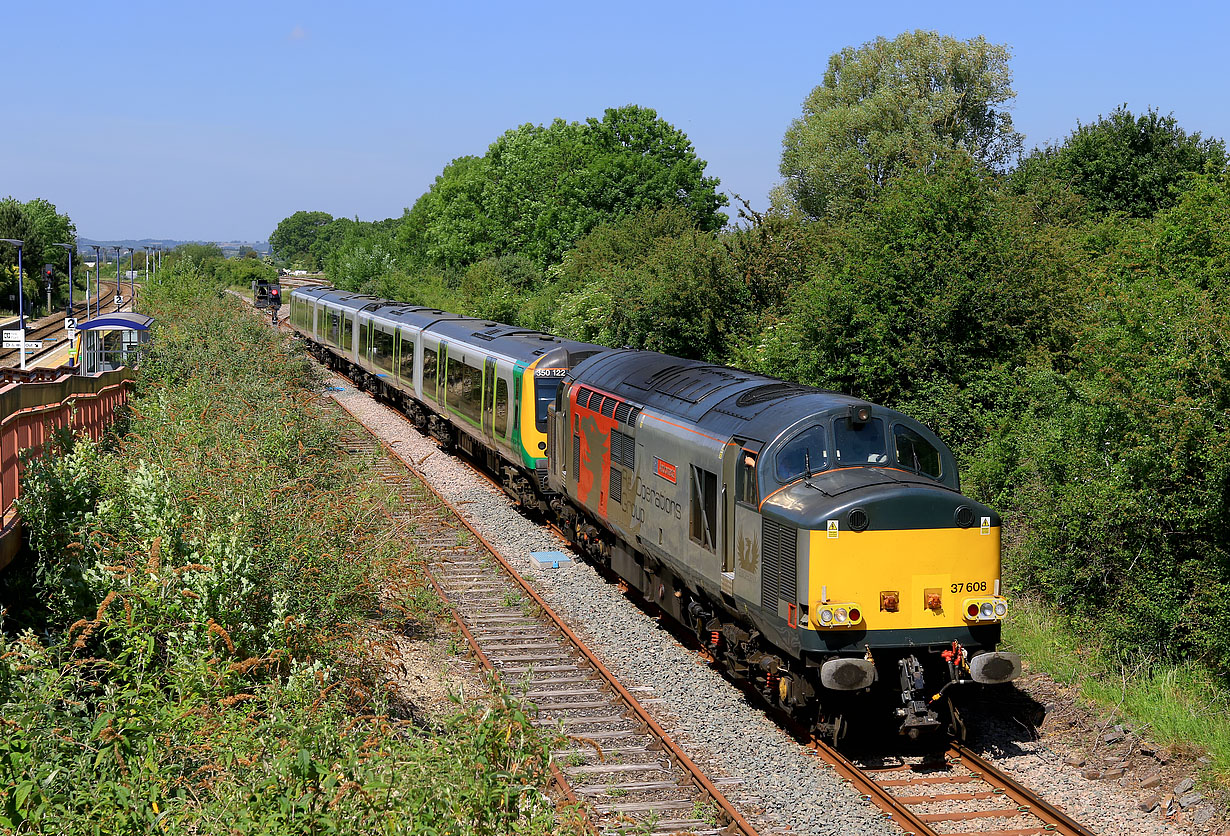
33	405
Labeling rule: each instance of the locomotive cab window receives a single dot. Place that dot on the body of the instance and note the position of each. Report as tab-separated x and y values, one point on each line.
915	453
856	443
746	489
804	454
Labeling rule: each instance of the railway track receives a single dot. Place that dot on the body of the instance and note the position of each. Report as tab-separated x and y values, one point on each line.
617	763
958	793
49	327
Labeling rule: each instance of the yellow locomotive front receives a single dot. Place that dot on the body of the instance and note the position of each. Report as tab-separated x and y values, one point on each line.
898	572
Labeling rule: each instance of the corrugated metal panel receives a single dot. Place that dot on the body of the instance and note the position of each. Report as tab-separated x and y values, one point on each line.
778	563
770	559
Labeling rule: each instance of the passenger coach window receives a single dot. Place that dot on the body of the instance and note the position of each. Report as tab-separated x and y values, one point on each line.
406	369
347	333
382	350
859	443
429	373
915	453
806	453
501	407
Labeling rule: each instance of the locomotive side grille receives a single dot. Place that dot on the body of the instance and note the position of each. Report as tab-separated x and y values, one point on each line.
616	492
608	407
778	564
623	450
770	559
576	456
636	410
595	403
788	579
621	412
583	397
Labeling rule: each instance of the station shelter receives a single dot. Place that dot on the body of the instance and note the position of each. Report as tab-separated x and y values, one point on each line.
111	341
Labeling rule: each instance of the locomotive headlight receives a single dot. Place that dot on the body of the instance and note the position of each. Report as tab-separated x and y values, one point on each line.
1001	609
988	610
826	617
842	616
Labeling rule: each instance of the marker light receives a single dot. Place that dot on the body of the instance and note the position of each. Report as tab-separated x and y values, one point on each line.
838	615
985	609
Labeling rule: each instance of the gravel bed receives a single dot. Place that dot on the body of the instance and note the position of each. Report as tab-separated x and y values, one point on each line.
781	785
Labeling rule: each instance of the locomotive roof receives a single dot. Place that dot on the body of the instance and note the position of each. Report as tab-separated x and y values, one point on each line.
723	400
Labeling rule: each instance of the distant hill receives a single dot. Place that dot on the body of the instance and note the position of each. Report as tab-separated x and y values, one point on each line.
229	248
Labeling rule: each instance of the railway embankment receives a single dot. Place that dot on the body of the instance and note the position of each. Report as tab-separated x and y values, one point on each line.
216	630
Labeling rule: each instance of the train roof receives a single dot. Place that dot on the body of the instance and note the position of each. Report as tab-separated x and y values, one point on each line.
720	399
497	338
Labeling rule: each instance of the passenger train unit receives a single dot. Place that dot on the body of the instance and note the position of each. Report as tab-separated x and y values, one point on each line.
818	544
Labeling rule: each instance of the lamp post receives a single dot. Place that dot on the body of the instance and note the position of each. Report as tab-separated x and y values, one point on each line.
97	268
132	279
119	251
21	299
71	252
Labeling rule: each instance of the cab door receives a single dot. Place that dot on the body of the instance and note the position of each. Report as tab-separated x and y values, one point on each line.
744	529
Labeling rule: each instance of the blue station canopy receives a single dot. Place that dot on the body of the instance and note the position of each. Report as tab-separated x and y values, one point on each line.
120	321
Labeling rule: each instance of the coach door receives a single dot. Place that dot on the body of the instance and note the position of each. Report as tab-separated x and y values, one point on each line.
488	396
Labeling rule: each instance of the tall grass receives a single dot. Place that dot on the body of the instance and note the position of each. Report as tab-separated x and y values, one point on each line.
1177	705
203	579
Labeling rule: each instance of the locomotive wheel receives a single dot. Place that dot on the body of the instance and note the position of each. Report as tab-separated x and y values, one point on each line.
956	724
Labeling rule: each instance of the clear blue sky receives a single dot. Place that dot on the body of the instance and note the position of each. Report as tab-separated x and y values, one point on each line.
215	120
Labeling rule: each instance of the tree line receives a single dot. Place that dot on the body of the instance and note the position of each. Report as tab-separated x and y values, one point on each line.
1059	316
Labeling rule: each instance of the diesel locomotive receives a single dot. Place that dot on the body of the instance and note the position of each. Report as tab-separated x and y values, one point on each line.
818	544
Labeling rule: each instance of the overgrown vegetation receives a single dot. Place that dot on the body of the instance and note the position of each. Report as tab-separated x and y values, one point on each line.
208	576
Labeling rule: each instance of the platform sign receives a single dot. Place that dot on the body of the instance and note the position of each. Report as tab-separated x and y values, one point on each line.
31	345
70	324
119	300
70	334
12	335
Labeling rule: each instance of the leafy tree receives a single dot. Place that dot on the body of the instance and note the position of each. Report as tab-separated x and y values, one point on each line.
539	189
890	107
448	226
293	238
1120	163
16	223
652	280
941	279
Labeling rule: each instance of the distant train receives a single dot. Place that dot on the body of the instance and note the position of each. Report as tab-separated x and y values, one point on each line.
818	544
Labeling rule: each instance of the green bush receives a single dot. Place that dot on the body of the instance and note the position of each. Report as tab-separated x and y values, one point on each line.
203	664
